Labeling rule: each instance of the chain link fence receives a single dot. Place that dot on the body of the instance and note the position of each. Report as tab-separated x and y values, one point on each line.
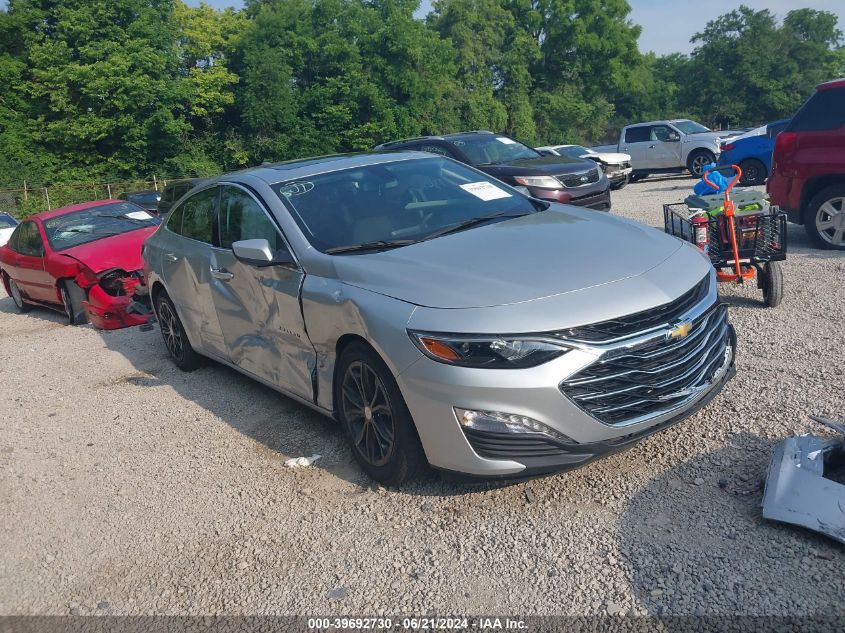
34	198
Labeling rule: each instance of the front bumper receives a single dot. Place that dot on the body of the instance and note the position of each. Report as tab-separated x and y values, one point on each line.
432	390
108	312
592	198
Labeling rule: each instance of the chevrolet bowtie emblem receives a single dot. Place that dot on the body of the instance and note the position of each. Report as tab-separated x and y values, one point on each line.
679	331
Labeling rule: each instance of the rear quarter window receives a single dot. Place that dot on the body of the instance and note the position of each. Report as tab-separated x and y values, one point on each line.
638	134
824	111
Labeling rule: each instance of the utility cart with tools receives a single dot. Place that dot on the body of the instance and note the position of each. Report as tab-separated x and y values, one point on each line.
744	237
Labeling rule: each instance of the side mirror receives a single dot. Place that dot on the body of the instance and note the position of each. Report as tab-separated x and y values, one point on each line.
258	253
546	152
673	137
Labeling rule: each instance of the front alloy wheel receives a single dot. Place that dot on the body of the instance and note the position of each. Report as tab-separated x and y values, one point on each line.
375	418
698	161
367	410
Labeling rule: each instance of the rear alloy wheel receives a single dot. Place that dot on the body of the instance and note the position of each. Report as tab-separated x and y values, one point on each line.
824	218
20	304
173	333
753	172
698	160
375	418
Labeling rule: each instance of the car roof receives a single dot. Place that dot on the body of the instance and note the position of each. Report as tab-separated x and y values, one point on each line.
836	83
273	173
46	215
439	137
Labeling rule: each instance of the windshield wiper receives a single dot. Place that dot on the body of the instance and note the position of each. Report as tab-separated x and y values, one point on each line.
380	245
466	224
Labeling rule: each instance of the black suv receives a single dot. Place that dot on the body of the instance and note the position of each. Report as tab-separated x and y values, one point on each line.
555	178
175	190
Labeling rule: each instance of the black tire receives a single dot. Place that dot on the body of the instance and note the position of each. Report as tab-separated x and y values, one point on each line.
17	297
753	172
375	418
824	218
772	284
697	160
71	299
173	332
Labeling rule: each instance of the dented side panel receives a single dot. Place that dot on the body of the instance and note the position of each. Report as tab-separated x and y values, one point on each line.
333	309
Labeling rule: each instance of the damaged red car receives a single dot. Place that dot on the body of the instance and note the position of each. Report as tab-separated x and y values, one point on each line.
84	261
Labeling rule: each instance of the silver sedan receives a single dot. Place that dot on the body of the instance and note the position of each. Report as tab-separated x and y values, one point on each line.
442	317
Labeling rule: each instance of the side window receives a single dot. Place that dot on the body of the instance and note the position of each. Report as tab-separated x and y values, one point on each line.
824	111
174	220
26	240
660	133
198	216
242	218
637	134
434	149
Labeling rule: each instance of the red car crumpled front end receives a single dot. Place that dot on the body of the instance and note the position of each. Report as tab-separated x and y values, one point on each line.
117	299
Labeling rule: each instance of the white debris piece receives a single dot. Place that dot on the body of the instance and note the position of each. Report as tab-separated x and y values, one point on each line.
298	462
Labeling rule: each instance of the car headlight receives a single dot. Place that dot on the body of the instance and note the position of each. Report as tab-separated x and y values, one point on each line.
493	352
543	182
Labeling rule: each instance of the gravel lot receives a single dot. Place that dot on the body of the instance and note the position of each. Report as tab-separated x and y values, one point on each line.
129	487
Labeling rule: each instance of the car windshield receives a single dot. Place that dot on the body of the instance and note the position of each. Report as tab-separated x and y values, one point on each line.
690	127
491	149
7	221
574	151
398	203
95	223
147	197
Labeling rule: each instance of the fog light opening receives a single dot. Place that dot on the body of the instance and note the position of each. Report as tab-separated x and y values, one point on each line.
500	422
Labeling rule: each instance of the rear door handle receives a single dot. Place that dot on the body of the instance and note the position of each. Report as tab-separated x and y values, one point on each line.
171	257
222	274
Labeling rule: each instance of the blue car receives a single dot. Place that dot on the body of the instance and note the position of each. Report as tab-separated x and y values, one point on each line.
753	152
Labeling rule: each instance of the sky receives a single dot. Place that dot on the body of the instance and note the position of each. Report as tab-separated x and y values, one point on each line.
668	25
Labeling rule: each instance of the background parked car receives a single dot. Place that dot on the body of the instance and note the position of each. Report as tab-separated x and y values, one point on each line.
556	178
670	146
147	199
616	166
7	227
808	168
83	260
174	190
752	151
438	314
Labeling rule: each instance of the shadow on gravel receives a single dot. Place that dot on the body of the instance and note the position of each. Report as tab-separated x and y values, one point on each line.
7	306
718	555
285	429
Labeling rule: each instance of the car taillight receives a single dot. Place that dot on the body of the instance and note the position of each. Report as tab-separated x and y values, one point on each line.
726	147
785	143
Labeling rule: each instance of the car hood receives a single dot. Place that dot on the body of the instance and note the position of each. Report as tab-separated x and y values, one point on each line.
542	166
560	250
612	158
715	137
119	251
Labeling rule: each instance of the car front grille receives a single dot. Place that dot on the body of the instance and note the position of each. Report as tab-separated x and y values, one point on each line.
580	179
638	322
638	383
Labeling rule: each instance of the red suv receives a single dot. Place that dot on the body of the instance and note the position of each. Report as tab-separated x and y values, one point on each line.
808	167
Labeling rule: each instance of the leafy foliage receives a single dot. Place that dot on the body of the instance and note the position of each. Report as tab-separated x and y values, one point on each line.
123	89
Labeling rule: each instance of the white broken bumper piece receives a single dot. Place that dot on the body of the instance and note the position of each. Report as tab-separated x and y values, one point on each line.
797	490
300	462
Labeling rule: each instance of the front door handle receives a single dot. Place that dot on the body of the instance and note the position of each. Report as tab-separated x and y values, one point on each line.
222	274
171	257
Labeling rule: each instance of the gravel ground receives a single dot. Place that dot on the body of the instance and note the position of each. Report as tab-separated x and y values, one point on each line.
129	487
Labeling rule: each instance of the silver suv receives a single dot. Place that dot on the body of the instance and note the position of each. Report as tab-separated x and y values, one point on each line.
441	316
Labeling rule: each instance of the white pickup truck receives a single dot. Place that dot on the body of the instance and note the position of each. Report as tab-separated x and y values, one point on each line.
667	147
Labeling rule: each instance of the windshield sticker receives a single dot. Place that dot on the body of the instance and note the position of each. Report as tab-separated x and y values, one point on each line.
296	188
138	215
505	140
485	190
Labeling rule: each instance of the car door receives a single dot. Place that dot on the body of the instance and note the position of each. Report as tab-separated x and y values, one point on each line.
637	143
27	265
258	307
665	147
186	254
